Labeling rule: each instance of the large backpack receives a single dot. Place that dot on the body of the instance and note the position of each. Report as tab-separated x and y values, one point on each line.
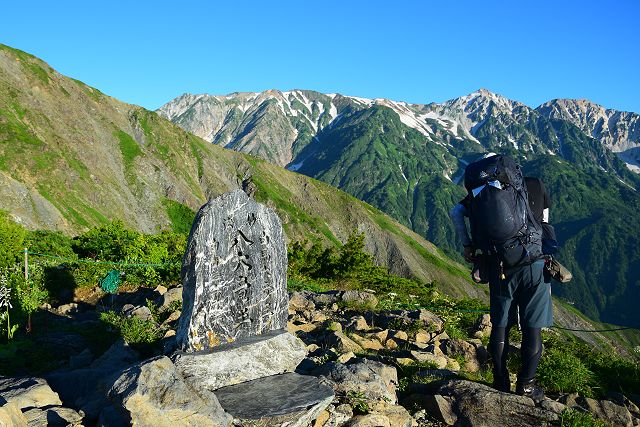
501	220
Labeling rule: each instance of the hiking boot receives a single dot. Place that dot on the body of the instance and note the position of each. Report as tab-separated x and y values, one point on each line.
502	384
530	389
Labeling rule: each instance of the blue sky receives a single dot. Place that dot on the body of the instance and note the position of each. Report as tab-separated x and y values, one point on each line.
148	52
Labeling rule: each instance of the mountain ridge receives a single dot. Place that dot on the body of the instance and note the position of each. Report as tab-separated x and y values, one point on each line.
407	160
73	158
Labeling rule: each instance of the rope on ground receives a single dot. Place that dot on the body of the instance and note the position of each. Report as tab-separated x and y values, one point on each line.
622	328
129	264
594	330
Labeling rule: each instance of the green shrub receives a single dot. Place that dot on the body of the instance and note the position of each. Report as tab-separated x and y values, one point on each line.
181	216
563	372
12	237
294	285
358	401
573	418
134	330
118	244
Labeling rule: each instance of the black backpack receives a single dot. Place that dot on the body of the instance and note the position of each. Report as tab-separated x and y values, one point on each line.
501	220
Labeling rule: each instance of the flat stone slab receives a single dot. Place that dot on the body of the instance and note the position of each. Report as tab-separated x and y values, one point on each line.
234	273
27	392
272	401
272	353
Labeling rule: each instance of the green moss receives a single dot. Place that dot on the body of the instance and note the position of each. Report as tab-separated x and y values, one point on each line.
79	167
44	161
129	148
196	150
181	216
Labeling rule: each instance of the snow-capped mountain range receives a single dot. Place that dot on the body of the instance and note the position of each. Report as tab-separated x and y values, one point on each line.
277	125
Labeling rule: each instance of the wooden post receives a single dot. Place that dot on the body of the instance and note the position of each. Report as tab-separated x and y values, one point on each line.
26	282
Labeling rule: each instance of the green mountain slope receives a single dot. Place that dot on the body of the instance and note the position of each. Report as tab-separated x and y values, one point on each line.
72	157
375	157
407	160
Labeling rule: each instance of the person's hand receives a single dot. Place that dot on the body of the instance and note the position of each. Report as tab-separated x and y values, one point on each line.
469	253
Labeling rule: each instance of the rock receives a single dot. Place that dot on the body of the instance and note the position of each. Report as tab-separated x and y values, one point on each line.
553	406
423	357
342	343
85	388
391	344
170	297
142	312
81	360
118	355
298	301
28	392
318	317
10	415
127	309
397	415
373	379
483	326
369	420
344	358
453	364
437	374
234	274
172	317
400	335
422	337
153	393
432	321
272	353
325	299
440	408
357	323
322	419
480	405
334	326
461	348
53	416
359	299
366	343
339	415
161	290
305	327
382	335
604	410
68	309
405	361
291	399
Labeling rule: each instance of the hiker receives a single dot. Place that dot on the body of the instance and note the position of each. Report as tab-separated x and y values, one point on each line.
509	233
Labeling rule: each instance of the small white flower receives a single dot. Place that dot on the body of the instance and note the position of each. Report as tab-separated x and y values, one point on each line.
5	297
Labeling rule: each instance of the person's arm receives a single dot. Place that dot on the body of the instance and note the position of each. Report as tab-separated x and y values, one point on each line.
457	214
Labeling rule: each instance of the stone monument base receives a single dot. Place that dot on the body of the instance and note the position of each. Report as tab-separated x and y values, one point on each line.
272	353
289	399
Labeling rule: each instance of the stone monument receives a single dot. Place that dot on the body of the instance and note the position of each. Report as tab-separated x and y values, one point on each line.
234	274
231	335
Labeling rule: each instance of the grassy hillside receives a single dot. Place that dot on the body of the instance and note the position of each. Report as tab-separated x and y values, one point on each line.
73	158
